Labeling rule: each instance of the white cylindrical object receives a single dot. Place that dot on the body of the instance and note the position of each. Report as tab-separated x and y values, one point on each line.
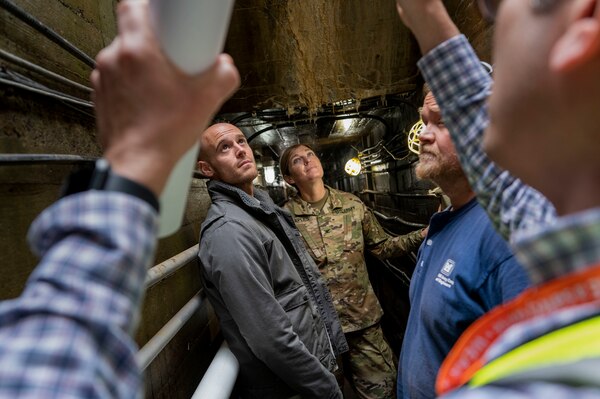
192	33
219	379
174	197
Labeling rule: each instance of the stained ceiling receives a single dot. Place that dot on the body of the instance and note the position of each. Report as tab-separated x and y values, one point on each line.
321	71
303	62
309	53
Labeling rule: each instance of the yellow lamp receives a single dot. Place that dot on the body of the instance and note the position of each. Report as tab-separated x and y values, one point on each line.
414	144
353	167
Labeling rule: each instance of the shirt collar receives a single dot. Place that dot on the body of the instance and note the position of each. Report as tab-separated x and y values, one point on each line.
221	190
571	244
334	198
303	208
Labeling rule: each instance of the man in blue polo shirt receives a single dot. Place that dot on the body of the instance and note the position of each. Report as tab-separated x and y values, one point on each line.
464	268
546	92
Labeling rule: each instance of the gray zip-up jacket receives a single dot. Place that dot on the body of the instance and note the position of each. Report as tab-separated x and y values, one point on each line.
275	310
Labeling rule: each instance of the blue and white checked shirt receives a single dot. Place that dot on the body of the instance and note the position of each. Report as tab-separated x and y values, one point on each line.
461	86
571	244
69	334
547	247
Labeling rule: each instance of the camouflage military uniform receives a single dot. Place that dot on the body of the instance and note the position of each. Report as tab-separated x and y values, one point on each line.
336	237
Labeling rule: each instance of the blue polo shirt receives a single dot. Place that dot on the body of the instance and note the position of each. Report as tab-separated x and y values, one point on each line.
464	269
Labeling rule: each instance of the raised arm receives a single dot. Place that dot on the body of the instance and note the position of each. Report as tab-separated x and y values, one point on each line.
461	86
150	113
428	20
384	246
69	333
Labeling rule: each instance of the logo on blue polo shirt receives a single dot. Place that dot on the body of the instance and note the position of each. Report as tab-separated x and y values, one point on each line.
448	267
443	277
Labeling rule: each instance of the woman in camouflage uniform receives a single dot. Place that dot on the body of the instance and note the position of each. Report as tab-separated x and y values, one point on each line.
337	228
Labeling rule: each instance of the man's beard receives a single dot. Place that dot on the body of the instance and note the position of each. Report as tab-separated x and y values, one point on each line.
436	168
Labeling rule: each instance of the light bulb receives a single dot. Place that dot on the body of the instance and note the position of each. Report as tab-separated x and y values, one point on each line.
353	167
269	174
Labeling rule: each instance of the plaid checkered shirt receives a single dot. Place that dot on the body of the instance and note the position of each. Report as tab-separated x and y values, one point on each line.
547	246
69	335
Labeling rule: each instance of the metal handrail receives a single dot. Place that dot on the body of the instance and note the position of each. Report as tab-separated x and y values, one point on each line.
157	343
220	377
170	266
398	219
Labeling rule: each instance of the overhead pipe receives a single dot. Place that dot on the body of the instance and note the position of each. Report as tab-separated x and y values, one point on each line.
49	33
18	159
294	123
328	110
42	71
47	92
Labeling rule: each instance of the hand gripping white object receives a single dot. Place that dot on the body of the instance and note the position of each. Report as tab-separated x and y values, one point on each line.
192	33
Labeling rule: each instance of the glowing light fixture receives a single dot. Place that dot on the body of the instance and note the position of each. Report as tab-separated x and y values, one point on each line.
346	123
269	174
353	166
413	137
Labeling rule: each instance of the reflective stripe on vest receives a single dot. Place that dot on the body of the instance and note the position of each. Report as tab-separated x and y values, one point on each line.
569	344
467	356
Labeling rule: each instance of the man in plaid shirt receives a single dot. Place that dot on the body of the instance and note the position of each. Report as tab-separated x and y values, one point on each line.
69	335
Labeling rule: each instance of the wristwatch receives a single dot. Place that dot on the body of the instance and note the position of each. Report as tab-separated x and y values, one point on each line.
99	176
